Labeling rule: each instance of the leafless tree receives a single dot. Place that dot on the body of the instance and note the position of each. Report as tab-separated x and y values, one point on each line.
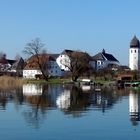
35	49
78	64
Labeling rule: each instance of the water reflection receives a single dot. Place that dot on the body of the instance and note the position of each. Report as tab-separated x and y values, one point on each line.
79	102
32	89
3	102
37	102
5	97
63	100
73	101
134	106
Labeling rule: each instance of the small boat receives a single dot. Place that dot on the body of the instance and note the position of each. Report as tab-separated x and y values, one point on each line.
97	89
85	84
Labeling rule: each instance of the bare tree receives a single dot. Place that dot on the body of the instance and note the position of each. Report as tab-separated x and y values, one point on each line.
35	49
78	64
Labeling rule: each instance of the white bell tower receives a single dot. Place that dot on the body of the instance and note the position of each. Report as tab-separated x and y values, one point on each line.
134	54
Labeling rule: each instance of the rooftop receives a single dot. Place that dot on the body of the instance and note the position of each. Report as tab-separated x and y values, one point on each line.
134	43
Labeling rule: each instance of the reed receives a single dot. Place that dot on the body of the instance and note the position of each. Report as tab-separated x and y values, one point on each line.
7	82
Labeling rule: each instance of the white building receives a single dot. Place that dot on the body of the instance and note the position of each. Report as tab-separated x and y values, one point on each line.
63	60
66	59
103	60
54	69
32	69
134	54
31	73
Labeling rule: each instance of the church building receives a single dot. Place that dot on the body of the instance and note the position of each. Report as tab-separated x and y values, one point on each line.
134	54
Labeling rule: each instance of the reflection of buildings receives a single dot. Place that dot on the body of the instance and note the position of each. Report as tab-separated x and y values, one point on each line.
63	100
134	107
32	89
103	101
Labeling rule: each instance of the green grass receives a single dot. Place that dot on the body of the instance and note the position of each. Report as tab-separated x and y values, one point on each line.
61	81
103	81
7	82
50	81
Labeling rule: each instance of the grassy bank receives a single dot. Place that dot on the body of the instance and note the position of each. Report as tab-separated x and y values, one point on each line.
63	81
50	81
7	82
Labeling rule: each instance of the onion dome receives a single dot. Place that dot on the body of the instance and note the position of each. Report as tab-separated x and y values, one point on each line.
134	43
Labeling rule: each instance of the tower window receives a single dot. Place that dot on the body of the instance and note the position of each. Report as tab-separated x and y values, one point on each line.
131	51
135	51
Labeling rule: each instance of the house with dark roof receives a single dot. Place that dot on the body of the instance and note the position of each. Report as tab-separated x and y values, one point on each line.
63	60
104	60
11	67
5	64
32	68
17	66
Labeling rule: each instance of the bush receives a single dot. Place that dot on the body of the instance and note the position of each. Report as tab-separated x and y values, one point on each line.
7	82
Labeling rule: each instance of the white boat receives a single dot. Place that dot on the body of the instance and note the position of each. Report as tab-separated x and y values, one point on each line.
85	84
97	89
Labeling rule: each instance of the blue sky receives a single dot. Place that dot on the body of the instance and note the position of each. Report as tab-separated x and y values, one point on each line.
86	25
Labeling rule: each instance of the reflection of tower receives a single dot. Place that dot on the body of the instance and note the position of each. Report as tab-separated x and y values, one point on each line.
134	107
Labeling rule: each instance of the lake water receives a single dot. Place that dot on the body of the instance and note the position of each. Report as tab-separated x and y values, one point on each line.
57	112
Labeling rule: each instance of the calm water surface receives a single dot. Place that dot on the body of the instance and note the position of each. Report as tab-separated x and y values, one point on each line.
56	112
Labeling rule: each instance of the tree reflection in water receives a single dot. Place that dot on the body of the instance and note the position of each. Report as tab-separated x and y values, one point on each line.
80	101
71	100
3	102
36	113
37	100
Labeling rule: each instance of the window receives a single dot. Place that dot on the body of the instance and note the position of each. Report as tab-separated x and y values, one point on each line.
98	62
131	51
135	51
